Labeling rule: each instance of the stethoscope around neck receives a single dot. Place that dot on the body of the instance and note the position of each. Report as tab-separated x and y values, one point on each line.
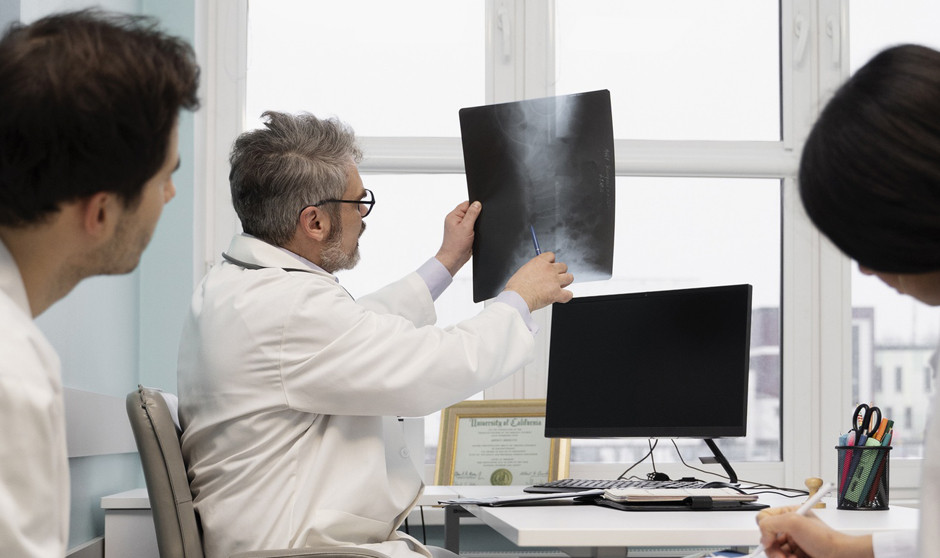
248	265
251	266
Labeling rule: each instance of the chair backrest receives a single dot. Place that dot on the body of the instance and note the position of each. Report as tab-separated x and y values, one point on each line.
158	442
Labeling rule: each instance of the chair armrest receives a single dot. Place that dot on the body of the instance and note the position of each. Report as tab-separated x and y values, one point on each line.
328	552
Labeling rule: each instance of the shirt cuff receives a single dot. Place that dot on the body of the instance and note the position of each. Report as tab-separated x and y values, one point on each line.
894	544
435	276
515	300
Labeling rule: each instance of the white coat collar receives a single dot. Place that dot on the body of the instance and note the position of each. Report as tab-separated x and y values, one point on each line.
256	252
11	282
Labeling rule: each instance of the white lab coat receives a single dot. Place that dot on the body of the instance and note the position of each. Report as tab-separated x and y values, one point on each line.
925	541
284	381
34	472
929	541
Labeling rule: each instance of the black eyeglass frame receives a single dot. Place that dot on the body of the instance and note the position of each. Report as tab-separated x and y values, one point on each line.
363	202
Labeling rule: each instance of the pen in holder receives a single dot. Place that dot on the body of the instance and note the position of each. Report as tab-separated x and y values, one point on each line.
863	477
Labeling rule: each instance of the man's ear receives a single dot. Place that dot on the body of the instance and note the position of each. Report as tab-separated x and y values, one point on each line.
314	223
99	213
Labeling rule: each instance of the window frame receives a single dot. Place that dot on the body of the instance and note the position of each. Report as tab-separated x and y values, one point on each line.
816	311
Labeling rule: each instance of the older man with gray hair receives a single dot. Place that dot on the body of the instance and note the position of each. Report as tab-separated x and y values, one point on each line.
289	386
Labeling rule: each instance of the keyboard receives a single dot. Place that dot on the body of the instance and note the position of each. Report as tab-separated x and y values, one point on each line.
577	485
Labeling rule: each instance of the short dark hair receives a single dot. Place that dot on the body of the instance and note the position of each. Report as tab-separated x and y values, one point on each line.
870	169
89	100
292	162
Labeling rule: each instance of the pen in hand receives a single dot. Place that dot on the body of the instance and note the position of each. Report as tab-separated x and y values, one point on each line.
807	505
535	240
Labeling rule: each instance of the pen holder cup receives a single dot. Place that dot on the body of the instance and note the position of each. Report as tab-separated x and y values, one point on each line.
863	477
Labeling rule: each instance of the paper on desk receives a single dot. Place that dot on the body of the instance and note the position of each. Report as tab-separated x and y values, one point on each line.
518	498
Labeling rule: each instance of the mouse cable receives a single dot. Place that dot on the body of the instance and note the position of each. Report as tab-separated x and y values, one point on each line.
771	489
424	529
679	453
641	460
649	442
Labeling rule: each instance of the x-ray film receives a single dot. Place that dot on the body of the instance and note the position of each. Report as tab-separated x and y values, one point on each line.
543	169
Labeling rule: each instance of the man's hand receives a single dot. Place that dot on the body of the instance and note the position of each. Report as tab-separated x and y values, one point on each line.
458	236
541	281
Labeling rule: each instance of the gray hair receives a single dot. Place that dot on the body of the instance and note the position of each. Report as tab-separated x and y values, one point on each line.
292	162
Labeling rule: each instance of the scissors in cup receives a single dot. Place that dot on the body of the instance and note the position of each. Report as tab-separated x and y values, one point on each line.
866	420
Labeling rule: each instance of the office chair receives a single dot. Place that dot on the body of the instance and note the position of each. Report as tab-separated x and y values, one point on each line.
178	531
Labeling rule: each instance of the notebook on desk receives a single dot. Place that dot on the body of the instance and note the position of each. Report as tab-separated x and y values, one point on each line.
678	499
637	495
627	498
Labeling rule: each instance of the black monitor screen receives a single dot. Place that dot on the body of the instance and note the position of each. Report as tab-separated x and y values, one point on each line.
654	364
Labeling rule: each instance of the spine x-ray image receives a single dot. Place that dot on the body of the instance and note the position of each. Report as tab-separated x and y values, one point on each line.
544	171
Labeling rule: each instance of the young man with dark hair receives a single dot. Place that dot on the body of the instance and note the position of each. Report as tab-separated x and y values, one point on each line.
88	146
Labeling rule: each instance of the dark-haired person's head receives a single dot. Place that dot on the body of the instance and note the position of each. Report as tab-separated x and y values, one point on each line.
91	102
870	170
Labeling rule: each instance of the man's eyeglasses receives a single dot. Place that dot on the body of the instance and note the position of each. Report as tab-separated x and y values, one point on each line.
365	204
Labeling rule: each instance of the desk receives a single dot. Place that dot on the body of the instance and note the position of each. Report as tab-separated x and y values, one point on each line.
596	531
128	525
129	530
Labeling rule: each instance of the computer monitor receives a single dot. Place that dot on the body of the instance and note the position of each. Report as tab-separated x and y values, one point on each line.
661	364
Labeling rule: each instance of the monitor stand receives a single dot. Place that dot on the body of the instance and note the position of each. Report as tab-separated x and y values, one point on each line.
720	458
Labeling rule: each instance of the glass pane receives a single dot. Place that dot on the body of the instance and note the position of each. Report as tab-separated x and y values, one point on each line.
875	24
894	343
894	336
404	70
675	233
676	69
392	247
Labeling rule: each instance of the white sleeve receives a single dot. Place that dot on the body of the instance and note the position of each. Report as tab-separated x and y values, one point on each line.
33	509
894	544
372	364
408	297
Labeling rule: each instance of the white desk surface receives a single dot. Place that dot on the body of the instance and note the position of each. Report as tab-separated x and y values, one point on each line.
567	526
134	499
596	526
434	493
137	498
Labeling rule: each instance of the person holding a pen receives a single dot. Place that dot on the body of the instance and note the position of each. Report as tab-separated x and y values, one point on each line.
870	181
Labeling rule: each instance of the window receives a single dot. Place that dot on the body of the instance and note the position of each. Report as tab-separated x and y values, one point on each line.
402	71
672	232
675	69
707	232
709	116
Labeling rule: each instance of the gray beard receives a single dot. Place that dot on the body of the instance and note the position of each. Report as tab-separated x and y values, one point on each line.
333	258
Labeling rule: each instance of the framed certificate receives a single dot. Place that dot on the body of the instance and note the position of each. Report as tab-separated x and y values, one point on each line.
498	442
